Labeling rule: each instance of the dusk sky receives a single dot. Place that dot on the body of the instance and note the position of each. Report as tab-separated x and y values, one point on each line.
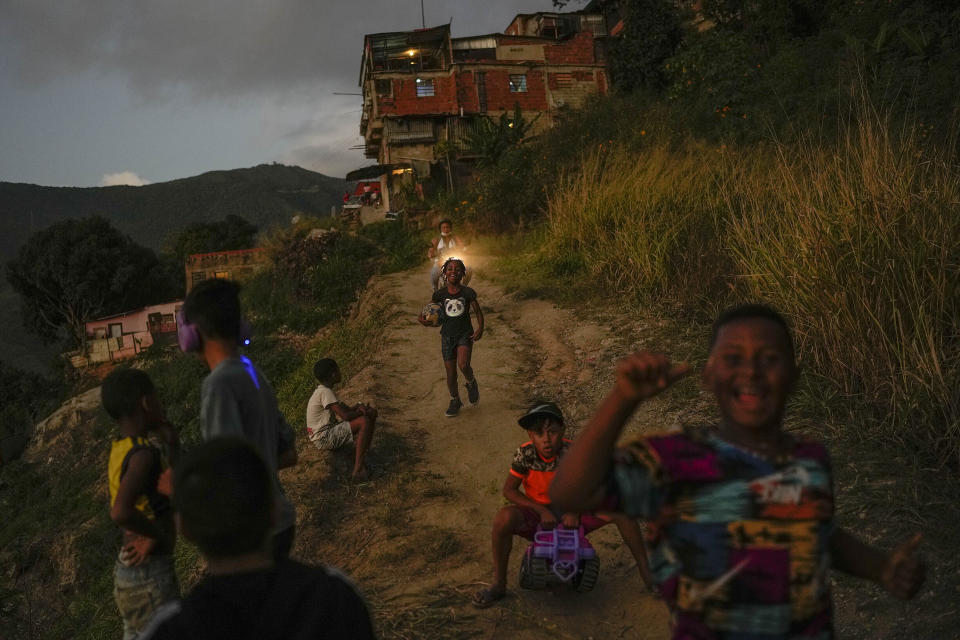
113	92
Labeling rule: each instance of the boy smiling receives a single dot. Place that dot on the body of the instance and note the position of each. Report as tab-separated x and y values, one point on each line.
534	465
744	535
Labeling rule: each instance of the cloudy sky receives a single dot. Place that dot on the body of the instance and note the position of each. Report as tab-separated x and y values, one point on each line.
103	92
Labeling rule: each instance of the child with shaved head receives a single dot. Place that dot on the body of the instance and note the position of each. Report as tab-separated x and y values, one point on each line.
743	535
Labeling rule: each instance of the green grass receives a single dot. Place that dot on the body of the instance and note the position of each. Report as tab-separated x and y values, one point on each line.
345	341
311	283
855	241
56	529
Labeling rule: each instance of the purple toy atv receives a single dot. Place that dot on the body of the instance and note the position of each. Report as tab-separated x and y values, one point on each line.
562	558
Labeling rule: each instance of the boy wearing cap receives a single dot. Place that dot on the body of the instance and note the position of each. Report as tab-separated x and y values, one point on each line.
533	467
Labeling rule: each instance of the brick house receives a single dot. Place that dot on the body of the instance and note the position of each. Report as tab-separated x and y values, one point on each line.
423	87
232	265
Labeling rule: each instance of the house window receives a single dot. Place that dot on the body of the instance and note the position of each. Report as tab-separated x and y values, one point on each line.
482	90
563	80
518	83
384	87
196	277
424	87
222	275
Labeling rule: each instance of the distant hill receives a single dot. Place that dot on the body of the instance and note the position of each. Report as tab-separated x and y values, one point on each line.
265	195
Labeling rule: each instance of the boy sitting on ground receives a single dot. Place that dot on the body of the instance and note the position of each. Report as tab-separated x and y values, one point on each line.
224	500
144	576
236	399
332	424
744	535
534	465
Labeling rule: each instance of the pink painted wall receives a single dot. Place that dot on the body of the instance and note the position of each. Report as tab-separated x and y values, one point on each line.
103	344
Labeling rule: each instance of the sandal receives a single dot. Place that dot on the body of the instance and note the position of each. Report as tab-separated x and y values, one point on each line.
486	597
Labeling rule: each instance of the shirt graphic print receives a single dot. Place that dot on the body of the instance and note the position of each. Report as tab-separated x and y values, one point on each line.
455	318
739	543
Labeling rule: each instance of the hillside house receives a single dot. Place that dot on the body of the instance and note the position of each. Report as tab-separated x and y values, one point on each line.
237	264
423	87
124	335
613	14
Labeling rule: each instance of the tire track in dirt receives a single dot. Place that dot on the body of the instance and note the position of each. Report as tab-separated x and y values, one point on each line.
527	346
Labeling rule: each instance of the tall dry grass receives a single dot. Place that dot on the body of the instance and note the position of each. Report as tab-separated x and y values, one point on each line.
646	225
860	244
858	241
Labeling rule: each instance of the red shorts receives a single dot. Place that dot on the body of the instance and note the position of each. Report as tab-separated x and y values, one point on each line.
531	519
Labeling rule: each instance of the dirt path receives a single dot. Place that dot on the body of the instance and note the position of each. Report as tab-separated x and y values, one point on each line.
528	348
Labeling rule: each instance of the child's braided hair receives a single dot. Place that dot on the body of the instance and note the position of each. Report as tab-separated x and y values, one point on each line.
463	267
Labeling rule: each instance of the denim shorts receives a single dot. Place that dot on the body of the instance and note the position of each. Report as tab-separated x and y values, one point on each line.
140	590
449	344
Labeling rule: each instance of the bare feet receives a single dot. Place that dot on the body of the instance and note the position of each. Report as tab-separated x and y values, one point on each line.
362	473
486	597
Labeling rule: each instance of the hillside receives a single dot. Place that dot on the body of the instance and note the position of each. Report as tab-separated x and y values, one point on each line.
414	538
264	195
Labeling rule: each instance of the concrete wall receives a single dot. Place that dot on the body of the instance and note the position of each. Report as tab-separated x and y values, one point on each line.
104	344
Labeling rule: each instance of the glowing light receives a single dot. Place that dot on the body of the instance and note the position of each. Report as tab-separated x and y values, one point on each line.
411	52
251	371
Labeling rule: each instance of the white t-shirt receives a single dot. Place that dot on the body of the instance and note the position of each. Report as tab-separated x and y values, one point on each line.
318	415
449	242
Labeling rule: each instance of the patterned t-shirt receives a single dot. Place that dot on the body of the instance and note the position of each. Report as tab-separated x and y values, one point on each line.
739	544
535	471
455	311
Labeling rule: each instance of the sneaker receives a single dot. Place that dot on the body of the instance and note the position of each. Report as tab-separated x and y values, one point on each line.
454	407
473	392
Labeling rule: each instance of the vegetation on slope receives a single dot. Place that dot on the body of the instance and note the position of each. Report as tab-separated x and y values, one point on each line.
59	540
265	195
799	153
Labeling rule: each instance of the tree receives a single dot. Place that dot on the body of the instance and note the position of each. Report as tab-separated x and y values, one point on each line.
652	32
489	138
77	270
27	397
233	232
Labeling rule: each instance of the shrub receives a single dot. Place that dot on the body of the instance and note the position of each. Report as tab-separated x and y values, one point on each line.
313	281
855	241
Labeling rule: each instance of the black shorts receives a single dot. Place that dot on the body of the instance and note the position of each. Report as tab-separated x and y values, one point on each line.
449	344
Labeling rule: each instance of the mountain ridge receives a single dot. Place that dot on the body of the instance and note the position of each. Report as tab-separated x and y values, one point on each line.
266	195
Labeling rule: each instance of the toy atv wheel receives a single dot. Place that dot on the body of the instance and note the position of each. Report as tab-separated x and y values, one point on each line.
588	577
533	573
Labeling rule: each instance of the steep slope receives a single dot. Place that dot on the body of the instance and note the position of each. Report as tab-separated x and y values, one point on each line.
415	538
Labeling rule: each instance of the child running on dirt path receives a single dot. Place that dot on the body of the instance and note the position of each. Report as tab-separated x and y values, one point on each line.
744	535
533	467
457	334
224	500
332	424
144	576
236	399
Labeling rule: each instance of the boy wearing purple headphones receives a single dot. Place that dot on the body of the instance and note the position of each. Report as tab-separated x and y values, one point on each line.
236	399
